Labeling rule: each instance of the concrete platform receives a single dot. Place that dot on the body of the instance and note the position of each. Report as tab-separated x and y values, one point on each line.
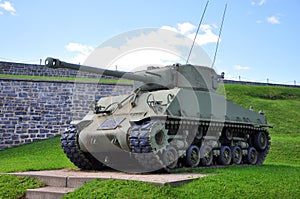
74	178
60	182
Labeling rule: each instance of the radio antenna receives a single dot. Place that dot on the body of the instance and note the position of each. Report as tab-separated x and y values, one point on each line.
220	31
187	60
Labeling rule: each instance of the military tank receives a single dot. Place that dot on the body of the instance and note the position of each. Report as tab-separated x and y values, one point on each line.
174	118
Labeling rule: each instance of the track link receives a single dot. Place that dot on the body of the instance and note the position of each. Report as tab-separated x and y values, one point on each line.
69	143
141	148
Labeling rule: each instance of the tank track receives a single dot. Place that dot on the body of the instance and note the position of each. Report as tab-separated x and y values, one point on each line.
141	149
69	143
244	144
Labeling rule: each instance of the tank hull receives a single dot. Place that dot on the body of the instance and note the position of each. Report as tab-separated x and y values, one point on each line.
164	121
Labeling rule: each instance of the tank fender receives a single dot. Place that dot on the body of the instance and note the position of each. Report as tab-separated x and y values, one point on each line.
80	124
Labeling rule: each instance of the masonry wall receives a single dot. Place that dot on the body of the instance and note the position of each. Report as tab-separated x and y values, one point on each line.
258	83
32	110
11	68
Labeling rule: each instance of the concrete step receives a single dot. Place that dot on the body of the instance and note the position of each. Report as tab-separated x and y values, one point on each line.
55	181
48	192
58	178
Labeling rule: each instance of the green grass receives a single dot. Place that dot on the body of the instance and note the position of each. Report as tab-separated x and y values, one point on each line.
42	155
270	181
15	187
122	189
79	79
279	177
285	150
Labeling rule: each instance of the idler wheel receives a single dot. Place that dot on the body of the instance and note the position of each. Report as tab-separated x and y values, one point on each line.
225	155
260	141
206	155
237	154
193	156
252	156
170	157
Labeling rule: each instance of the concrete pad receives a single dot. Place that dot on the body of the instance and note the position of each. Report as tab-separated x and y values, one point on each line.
75	179
48	192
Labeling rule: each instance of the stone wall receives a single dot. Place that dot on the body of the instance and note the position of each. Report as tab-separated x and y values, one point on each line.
11	68
258	83
34	109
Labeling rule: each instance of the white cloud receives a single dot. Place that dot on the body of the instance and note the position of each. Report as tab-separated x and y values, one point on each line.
273	19
185	28
156	57
82	51
144	47
205	36
76	47
169	28
239	67
7	6
258	2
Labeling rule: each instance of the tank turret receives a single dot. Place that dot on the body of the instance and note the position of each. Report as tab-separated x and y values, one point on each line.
174	118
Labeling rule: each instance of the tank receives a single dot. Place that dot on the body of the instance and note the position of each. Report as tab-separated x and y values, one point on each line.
174	118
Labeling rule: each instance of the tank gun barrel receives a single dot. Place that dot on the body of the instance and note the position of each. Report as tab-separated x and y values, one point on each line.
56	63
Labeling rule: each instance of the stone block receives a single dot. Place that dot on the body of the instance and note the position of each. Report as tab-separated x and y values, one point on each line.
15	137
24	136
33	131
20	113
8	142
36	118
23	95
43	131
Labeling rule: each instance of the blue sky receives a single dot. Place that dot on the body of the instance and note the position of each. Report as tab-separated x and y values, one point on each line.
260	38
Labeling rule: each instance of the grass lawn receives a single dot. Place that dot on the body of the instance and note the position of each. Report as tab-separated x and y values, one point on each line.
279	177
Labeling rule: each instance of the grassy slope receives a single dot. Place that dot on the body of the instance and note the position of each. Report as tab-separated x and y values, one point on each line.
42	155
279	177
